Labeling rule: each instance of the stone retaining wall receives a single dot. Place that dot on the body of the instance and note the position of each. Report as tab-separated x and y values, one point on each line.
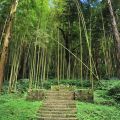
37	94
83	95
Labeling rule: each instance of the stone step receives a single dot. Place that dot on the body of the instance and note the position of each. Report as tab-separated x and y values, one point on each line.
56	115
58	109
54	102
60	105
57	112
59	98
60	91
59	101
56	118
52	95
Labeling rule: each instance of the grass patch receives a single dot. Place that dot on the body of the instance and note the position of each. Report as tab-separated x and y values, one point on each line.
14	107
88	111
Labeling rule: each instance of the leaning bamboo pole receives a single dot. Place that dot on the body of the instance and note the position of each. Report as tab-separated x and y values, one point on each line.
58	63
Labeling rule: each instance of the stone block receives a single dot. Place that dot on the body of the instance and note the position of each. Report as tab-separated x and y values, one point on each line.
84	95
35	95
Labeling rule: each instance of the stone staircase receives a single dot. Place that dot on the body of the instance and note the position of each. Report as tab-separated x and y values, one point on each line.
58	105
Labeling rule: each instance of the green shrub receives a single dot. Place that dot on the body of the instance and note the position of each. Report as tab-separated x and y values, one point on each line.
63	87
107	84
22	85
77	83
114	92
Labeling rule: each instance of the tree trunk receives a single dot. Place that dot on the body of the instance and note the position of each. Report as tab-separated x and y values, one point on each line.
6	41
116	34
66	40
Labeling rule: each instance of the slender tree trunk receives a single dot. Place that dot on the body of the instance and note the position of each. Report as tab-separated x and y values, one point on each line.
6	41
116	34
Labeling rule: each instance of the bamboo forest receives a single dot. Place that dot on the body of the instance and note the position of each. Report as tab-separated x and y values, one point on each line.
59	59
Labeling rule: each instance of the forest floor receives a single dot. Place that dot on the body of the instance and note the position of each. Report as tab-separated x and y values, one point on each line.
15	107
